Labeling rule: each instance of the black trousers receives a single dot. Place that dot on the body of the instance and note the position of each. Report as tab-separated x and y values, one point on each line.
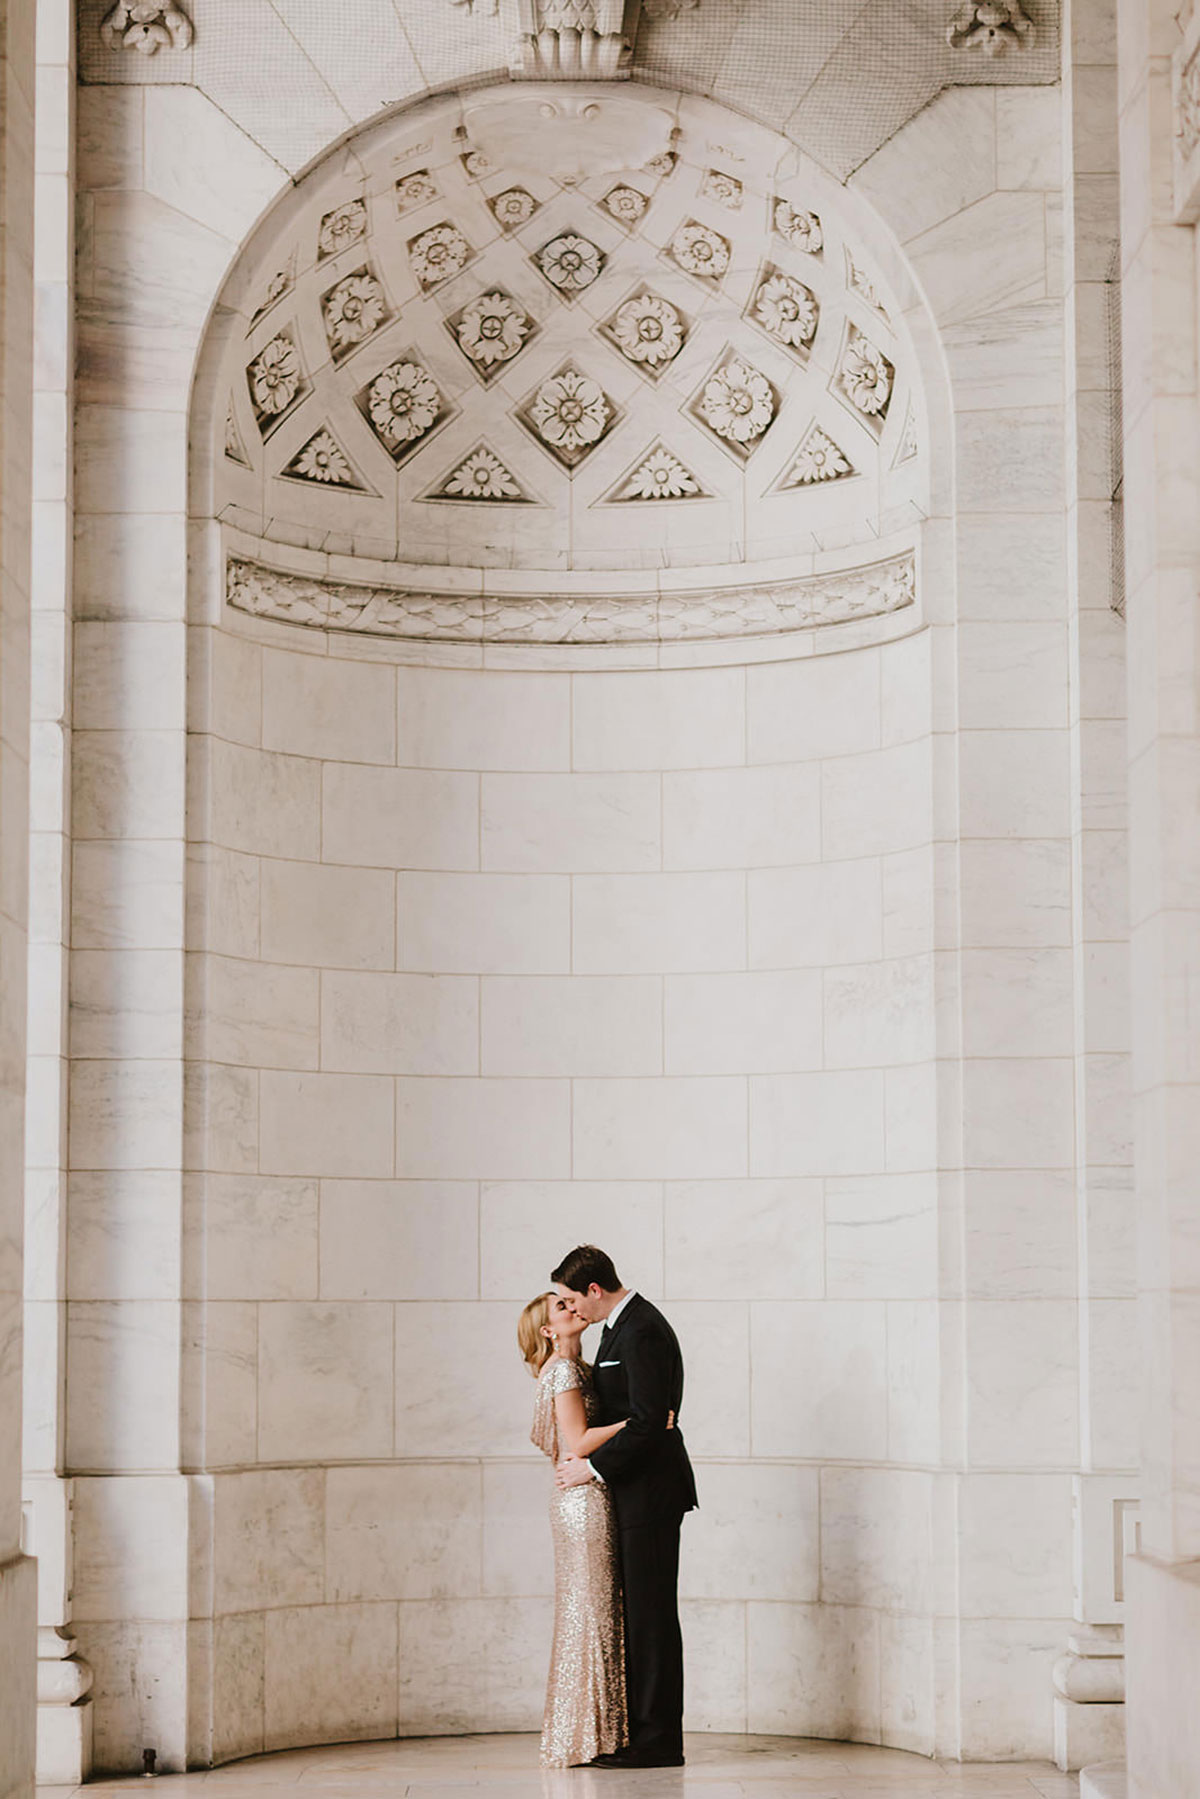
653	1643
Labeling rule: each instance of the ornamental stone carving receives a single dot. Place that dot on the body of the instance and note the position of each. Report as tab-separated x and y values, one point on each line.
658	475
700	251
569	414
786	310
817	459
1189	106
490	331
865	376
353	311
276	381
648	331
992	26
402	405
341	228
802	230
438	254
481	476
736	403
756	609
146	26
414	190
570	263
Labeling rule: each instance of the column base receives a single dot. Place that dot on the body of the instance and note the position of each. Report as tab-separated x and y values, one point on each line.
64	1744
1108	1780
1086	1733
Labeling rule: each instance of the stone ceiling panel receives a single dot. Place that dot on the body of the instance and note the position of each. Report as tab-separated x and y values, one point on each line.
436	357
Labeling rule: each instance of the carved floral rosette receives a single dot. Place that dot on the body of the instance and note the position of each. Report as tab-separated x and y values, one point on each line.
755	609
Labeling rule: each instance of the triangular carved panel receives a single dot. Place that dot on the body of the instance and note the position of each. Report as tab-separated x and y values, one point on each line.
818	459
658	474
323	462
481	475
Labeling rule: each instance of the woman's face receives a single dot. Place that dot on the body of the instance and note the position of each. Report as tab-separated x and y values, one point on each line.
563	1321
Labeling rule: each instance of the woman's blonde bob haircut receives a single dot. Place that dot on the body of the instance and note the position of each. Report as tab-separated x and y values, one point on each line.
536	1348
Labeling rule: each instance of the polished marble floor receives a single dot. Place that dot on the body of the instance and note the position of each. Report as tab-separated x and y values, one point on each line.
719	1767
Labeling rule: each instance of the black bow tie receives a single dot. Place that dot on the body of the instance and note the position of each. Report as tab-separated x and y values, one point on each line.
604	1334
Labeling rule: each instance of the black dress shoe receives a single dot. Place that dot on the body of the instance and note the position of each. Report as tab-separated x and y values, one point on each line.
637	1758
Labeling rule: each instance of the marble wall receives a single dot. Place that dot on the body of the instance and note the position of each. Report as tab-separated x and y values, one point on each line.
763	972
499	961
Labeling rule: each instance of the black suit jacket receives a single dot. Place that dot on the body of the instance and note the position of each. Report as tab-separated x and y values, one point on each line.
640	1377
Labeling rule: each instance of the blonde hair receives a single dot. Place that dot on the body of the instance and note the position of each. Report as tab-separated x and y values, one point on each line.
536	1348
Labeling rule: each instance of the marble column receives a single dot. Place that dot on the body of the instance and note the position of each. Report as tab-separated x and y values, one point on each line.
1088	1713
64	1679
1162	512
17	1572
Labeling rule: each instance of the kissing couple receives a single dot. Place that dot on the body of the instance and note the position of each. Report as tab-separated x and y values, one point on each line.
623	1481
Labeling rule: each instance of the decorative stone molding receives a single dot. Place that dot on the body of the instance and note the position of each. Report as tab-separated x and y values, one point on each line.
1089	1697
992	26
571	40
1185	72
146	26
757	608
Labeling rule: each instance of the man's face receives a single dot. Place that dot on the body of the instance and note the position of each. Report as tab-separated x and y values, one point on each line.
588	1306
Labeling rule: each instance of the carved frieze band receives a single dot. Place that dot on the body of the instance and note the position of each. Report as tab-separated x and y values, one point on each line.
756	609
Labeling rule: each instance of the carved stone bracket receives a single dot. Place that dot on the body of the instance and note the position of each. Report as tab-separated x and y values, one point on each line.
992	26
146	26
573	40
755	609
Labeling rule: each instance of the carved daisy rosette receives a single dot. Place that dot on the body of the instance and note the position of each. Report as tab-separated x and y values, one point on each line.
353	310
490	330
403	405
416	189
864	379
700	252
801	229
475	165
648	331
736	403
276	381
662	166
438	255
341	228
785	310
513	208
725	189
627	205
570	263
568	414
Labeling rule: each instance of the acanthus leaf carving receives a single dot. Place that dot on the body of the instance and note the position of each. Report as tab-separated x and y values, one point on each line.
992	26
757	609
146	26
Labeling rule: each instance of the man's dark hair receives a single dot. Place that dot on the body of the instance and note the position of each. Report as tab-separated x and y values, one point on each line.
586	1265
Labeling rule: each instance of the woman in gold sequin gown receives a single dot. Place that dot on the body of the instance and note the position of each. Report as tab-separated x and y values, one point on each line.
585	1694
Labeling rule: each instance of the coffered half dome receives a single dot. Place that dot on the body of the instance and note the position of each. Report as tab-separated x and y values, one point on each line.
567	331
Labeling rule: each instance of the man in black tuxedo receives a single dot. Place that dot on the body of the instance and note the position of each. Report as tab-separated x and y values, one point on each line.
639	1377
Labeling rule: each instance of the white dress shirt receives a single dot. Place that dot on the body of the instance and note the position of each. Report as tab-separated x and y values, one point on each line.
610	1324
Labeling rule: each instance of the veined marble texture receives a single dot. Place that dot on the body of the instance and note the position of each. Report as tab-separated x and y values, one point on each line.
871	591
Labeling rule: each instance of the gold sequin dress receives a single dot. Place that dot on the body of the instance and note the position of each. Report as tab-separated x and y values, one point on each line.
585	1694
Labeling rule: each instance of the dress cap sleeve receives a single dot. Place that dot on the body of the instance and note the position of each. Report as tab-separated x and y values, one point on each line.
560	1376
